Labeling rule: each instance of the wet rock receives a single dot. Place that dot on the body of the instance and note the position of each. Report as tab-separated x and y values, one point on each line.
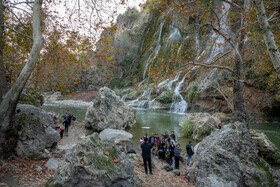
228	157
109	111
35	131
266	149
94	162
120	138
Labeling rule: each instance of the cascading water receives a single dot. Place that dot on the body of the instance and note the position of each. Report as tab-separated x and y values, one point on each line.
170	83
179	105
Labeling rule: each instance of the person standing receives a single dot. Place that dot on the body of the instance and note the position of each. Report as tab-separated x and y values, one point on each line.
173	136
177	154
152	139
190	151
66	125
146	154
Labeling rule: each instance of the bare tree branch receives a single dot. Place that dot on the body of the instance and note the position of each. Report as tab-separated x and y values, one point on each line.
19	32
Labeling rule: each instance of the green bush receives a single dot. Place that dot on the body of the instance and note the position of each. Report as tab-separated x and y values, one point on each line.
203	132
187	128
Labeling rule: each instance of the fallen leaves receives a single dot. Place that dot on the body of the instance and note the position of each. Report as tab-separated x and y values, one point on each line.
25	171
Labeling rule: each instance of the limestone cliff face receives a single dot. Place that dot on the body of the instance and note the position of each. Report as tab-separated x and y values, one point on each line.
154	48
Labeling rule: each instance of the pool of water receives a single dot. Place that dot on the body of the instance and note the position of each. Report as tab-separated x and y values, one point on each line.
159	122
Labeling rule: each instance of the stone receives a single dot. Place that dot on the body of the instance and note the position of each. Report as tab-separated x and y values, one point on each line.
52	164
120	138
35	130
266	149
177	172
202	124
109	111
88	165
228	157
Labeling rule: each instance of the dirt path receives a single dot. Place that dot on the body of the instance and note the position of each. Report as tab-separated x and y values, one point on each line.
24	172
161	177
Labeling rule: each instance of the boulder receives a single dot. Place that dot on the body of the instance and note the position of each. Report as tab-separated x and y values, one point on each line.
266	149
120	138
109	111
35	131
94	162
228	157
199	125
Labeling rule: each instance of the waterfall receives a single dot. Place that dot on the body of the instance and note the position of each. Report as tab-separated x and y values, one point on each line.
179	105
170	83
155	52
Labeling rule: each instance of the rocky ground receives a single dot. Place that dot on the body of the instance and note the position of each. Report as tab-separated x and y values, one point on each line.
26	172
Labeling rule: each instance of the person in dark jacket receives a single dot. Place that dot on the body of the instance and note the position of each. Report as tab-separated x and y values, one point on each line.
177	155
190	151
146	154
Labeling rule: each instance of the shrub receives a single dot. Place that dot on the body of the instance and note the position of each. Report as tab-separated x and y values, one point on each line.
187	128
203	132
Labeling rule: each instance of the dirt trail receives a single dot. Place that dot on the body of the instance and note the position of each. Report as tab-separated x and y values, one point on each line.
24	172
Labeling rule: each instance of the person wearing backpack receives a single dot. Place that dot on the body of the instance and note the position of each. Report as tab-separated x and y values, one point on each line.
146	154
190	151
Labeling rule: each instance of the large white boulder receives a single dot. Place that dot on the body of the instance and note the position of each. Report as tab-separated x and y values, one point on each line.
109	111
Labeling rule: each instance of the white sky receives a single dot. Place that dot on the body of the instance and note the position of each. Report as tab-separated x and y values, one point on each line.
86	9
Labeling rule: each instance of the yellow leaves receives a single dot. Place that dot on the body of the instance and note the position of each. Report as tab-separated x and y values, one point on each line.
110	39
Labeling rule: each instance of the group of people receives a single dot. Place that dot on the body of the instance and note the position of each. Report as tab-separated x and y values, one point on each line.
67	123
165	148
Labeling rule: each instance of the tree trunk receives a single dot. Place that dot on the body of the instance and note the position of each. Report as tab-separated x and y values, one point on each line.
3	81
10	100
268	36
240	112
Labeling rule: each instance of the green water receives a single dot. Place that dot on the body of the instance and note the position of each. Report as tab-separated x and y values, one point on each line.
60	112
159	122
271	130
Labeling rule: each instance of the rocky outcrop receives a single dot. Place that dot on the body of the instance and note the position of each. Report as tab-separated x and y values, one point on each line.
228	157
94	162
120	137
109	111
35	130
266	149
222	116
199	125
